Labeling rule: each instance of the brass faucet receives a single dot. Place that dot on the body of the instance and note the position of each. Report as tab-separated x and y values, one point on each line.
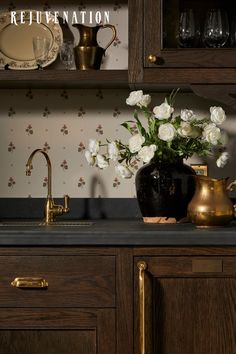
51	210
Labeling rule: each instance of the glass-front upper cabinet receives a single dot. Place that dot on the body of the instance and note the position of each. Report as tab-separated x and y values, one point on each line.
190	33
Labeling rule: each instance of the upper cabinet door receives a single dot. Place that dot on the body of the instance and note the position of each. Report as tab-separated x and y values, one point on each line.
189	33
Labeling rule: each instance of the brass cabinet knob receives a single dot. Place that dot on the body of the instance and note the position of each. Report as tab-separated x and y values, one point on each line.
152	58
29	283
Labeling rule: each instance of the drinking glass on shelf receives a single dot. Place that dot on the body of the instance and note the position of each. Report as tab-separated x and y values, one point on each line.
67	54
189	32
41	46
216	28
233	32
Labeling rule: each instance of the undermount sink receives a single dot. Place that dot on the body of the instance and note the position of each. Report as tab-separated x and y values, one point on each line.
30	223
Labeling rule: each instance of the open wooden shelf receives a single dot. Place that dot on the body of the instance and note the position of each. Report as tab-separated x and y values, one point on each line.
64	79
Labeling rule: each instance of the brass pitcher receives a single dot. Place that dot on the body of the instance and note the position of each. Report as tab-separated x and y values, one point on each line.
88	54
211	205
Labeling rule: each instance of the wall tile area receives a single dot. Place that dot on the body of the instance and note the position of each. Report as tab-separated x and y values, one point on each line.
61	122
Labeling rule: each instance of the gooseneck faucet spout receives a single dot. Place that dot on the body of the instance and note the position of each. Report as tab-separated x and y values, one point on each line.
51	210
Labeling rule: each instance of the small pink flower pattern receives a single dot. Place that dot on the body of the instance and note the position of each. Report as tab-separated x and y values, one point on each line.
45	182
116	42
46	147
99	129
81	147
81	112
64	130
64	165
29	94
11	112
29	130
64	95
11	182
46	112
81	182
11	147
116	183
116	112
99	95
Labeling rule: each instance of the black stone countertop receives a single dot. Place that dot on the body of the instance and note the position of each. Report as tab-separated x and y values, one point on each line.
116	233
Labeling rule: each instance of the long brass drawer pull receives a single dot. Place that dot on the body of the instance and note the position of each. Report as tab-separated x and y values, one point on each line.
142	266
30	283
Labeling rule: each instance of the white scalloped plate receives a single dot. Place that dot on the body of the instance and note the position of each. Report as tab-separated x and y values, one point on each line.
16	42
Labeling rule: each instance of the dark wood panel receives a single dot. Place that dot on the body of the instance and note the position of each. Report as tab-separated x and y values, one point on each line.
136	37
64	79
186	76
48	342
190	266
124	286
184	251
57	251
74	281
195	316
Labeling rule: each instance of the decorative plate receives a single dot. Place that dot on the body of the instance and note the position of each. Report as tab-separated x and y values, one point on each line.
16	41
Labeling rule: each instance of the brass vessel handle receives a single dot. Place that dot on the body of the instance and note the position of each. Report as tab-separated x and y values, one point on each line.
29	283
142	266
113	37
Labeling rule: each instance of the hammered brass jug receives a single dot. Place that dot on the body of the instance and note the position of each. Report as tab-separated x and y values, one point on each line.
88	54
211	205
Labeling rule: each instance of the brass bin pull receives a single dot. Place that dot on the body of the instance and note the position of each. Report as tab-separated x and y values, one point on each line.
30	283
142	266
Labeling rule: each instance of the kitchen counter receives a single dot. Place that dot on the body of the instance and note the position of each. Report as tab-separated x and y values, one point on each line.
116	233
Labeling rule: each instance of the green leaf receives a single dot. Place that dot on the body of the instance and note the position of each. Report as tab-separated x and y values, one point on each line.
127	126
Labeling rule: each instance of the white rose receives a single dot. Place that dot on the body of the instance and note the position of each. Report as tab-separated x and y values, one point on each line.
217	115
186	115
90	159
93	147
222	160
163	111
113	151
135	142
102	162
185	130
145	101
123	171
211	134
134	98
166	132
147	153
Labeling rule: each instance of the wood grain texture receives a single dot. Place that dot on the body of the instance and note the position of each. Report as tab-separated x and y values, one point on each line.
195	316
74	281
188	313
124	286
50	342
64	79
184	251
135	42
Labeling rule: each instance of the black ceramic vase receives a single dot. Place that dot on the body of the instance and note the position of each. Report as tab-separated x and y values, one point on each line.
164	190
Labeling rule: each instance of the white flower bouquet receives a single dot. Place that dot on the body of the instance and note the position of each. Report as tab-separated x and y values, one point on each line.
161	137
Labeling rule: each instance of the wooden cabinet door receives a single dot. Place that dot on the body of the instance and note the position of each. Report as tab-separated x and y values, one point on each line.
161	21
57	331
186	305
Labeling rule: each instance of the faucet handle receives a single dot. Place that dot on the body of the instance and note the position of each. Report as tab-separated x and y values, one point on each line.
66	208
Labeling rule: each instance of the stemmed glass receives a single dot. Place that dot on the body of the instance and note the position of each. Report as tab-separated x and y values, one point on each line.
189	32
67	54
41	46
216	28
233	32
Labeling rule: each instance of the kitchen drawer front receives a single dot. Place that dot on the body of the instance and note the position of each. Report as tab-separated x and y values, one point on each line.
73	281
190	266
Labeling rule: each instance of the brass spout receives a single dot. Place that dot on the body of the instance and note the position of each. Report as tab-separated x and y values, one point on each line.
51	210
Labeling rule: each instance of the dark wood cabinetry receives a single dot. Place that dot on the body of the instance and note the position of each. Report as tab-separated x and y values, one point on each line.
155	56
99	302
76	313
189	304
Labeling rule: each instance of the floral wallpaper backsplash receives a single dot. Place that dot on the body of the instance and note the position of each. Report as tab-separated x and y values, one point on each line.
62	122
